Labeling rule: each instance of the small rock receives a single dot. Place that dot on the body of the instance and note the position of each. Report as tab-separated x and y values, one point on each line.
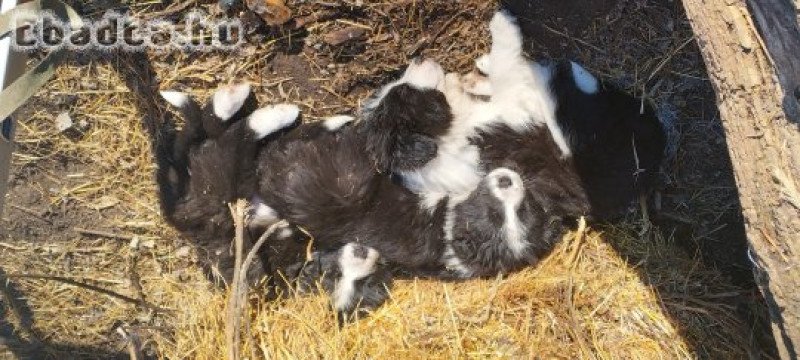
227	5
149	244
63	122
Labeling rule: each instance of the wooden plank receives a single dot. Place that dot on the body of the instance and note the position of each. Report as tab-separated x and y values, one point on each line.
763	142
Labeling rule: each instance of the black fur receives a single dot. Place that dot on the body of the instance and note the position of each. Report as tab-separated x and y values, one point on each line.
601	129
401	132
480	244
330	188
207	174
550	179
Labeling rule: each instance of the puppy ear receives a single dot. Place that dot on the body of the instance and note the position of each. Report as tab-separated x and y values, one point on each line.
228	105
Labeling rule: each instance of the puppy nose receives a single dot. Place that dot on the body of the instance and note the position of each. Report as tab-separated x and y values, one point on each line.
504	182
360	251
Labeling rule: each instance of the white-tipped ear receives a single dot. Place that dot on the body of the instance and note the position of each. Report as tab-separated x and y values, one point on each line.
175	98
270	119
229	99
583	79
334	123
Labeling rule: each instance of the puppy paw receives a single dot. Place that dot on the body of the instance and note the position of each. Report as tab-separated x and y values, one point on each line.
175	98
335	123
227	100
506	38
260	214
584	80
503	25
426	74
270	119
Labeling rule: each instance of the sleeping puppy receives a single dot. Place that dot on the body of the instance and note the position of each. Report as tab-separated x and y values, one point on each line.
212	164
610	140
615	141
520	100
499	228
519	211
329	186
219	145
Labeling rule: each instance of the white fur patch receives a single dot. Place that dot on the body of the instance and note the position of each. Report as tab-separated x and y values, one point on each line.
229	99
334	123
353	268
453	172
450	260
483	63
175	98
476	84
285	233
270	119
521	89
583	79
260	213
427	74
511	196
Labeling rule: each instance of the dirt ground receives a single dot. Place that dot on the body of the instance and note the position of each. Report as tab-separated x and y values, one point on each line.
81	211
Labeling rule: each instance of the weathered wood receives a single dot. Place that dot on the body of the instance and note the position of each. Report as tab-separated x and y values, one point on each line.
748	75
778	22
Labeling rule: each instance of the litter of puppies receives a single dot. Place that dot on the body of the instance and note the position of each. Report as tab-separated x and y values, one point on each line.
645	297
430	181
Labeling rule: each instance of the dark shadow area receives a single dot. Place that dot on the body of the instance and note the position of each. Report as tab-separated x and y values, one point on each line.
24	341
647	49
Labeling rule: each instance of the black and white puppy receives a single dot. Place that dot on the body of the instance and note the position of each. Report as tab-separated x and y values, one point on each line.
615	141
220	144
213	164
498	228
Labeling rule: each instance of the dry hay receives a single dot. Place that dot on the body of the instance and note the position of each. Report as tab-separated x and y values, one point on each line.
582	301
620	296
